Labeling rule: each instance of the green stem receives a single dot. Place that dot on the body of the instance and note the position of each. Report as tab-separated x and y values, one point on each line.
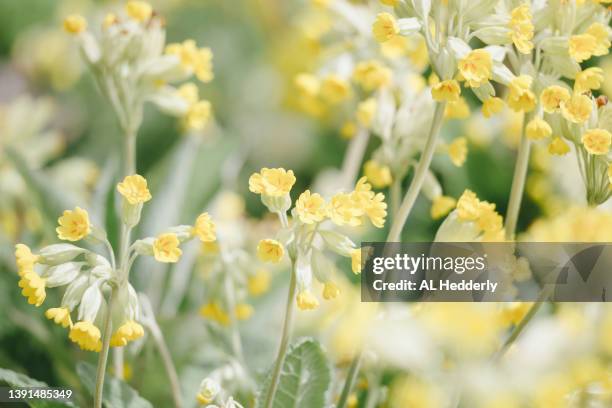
518	182
351	377
106	336
175	385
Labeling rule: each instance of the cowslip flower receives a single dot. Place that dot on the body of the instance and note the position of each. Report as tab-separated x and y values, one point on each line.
581	46
270	250
25	259
458	109
476	67
537	129
213	311
75	24
391	3
522	28
272	182
307	301
33	287
134	189
307	84
577	109
356	260
165	248
552	97
441	205
468	206
558	147
208	391
193	59
140	11
73	225
366	110
457	151
128	331
590	78
335	89
602	38
86	335
597	141
204	228
330	290
343	210
60	315
448	91
259	282
378	174
197	115
310	208
521	98
372	74
385	27
491	106
243	311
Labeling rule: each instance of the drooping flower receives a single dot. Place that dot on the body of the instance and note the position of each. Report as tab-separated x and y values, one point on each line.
310	208
521	98
378	174
25	259
213	311
166	248
128	331
73	225
448	90
134	189
558	147
522	28
366	110
330	290
597	141
193	59
272	182
385	27
476	67
335	89
582	46
306	300
371	75
259	282
270	250
307	84
602	38
552	97
197	115
243	311
468	206
577	109
33	287
590	78
492	106
204	228
140	11
86	335
537	129
75	24
60	315
441	206
457	151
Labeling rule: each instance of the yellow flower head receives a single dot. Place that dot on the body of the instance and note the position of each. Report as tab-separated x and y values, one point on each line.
348	130
385	27
552	97
344	210
590	78
307	301
259	282
522	28
33	287
204	228
330	290
73	225
270	250
128	331
441	206
243	311
457	151
582	47
458	109
60	315
356	260
335	89
521	98
372	205
476	67
371	75
272	182
468	206
492	106
134	189
448	91
140	11
558	147
366	110
214	311
310	208
197	115
307	84
193	59
75	24
577	109
597	141
25	259
86	335
602	38
537	129
166	248
378	174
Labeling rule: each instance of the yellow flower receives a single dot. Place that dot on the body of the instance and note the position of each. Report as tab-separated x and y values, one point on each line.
109	20
492	106
577	109
204	228
356	260
537	129
457	151
33	287
476	67
385	27
441	206
521	98
193	59
86	335
590	78
270	250
448	91
378	174
468	206
602	38
597	141
310	208
189	92
73	225
307	301
25	259
243	311
139	10
458	109
522	28
134	189
335	89
165	248
371	75
60	315
391	3
330	290
259	282
272	182
558	147
489	220
307	84
128	331
366	111
372	205
215	312
348	130
197	115
514	313
75	24
582	47
552	97
343	210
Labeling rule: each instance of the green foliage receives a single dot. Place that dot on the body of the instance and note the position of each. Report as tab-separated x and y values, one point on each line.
17	380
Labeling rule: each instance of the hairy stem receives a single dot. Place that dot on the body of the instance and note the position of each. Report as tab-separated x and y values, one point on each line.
106	336
353	157
518	182
175	385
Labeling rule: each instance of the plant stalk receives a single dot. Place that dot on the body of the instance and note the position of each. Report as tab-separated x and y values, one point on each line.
106	336
175	384
518	182
351	377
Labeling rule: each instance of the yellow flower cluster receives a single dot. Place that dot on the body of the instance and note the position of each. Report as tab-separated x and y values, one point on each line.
371	75
378	174
520	97
193	59
134	189
593	42
350	208
483	214
476	68
522	29
198	112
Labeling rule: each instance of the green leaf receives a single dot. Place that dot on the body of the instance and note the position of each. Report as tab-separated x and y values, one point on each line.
304	380
116	393
18	380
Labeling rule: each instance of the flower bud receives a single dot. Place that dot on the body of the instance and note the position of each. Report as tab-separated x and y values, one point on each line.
144	246
183	232
276	203
408	26
62	274
208	391
59	253
130	213
339	243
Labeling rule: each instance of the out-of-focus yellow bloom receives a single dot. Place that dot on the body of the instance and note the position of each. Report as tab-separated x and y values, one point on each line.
270	250
597	141
134	189
33	287
272	182
373	205
330	290
60	315
551	391
307	84
522	28
576	224
558	147
259	282
366	111
458	109
213	311
344	210
521	98
378	174
356	260
348	130
25	259
189	92
73	225
457	151
447	91
310	208
166	248
385	27
411	392
577	109
590	78
128	331
140	11
396	47
75	24
492	106
110	19
204	228
372	75
514	313
193	59
441	205
243	311
335	89
582	46
391	3
537	129
476	67
86	335
306	300
197	115
552	97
